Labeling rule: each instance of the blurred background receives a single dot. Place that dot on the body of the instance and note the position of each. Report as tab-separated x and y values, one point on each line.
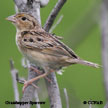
80	29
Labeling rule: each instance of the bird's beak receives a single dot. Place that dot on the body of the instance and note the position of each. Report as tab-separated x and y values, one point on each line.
11	18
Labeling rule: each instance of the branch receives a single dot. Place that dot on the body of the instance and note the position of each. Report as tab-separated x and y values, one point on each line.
67	99
32	7
57	23
53	89
90	106
106	106
36	99
53	14
104	27
14	73
29	91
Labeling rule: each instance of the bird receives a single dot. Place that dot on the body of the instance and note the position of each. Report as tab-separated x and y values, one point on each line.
42	48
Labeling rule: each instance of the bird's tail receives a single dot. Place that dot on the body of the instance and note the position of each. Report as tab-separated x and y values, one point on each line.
84	62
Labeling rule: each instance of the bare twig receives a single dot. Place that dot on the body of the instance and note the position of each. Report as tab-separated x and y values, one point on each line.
106	106
29	91
53	14
32	7
36	99
58	22
104	26
90	106
53	89
16	78
66	97
14	73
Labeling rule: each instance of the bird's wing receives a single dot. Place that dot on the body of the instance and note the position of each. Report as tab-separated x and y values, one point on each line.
47	44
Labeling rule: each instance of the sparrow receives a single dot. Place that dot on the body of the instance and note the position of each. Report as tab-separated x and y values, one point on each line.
41	47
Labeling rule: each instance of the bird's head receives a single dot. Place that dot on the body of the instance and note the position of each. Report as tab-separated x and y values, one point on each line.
23	21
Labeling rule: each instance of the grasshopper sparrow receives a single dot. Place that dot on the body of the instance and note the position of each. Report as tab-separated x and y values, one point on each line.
41	48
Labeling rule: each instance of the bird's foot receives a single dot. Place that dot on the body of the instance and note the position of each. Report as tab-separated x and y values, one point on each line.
39	73
27	83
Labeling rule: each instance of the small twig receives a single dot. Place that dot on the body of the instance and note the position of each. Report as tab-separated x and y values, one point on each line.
20	80
66	97
36	99
53	14
106	106
14	73
57	23
90	106
104	27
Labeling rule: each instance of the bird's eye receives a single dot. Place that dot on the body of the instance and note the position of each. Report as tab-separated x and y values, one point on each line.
24	18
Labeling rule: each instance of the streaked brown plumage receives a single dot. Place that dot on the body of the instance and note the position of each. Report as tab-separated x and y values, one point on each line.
41	48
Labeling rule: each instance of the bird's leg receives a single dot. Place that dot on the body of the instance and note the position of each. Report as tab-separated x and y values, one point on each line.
34	79
38	72
25	85
35	70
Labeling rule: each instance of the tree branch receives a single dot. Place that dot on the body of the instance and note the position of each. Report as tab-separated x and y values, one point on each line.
14	73
58	22
67	99
29	91
104	27
36	99
90	105
53	14
32	7
53	89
